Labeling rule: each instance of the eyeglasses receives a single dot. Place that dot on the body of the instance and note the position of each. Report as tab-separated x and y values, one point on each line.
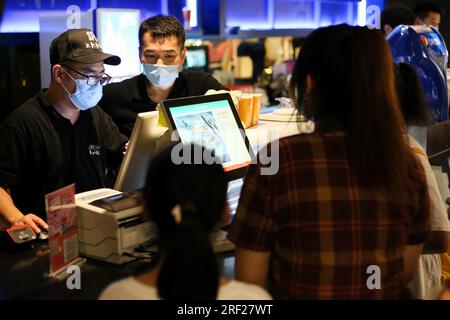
92	80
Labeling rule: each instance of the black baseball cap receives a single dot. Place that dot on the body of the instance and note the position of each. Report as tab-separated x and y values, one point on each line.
79	45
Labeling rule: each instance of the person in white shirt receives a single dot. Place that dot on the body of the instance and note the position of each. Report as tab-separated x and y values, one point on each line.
185	200
426	283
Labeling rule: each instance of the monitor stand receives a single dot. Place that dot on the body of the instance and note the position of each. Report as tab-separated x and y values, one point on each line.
218	236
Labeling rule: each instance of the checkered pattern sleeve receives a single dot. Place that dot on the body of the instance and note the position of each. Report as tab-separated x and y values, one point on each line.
253	224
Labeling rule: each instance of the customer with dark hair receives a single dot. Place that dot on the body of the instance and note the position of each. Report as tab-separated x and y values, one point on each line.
426	281
445	257
162	54
428	13
395	15
349	203
185	201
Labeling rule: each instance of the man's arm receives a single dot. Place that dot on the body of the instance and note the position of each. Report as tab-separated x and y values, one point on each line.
13	215
15	142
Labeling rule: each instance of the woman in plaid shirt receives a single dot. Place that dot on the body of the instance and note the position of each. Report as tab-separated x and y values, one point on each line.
347	213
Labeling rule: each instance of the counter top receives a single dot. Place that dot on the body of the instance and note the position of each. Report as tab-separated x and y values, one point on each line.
23	275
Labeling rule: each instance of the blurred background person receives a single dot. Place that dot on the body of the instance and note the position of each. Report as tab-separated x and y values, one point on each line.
428	13
427	280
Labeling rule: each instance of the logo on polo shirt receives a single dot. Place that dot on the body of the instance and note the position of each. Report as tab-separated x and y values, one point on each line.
94	150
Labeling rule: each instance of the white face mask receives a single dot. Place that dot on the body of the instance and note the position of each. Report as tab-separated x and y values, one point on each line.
160	75
85	96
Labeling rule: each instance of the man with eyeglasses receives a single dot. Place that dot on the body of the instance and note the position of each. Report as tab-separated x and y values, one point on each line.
162	54
60	136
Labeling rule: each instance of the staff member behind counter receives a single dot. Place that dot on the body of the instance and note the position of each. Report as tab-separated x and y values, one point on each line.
162	53
59	137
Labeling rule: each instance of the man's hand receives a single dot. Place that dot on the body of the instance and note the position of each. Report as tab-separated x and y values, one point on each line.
33	221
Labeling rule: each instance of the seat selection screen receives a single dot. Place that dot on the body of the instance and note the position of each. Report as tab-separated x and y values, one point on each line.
213	126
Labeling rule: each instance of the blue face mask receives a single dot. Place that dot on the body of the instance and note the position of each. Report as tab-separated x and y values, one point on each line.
85	96
160	75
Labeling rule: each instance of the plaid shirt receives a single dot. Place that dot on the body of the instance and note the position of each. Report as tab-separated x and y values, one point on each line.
323	229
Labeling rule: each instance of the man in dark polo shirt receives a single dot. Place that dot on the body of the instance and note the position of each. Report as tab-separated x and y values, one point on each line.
60	136
162	53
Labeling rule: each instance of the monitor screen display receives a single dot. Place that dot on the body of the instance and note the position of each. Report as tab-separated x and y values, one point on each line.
212	122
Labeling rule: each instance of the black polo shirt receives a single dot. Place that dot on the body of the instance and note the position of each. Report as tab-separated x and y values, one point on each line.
124	100
41	151
80	150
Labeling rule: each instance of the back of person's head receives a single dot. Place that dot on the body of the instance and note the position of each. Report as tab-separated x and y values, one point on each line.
186	201
353	89
162	27
395	15
411	96
423	8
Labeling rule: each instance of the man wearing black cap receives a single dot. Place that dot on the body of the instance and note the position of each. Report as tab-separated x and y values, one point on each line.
162	54
60	136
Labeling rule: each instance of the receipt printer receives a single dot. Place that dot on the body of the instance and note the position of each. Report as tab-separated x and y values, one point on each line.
111	225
